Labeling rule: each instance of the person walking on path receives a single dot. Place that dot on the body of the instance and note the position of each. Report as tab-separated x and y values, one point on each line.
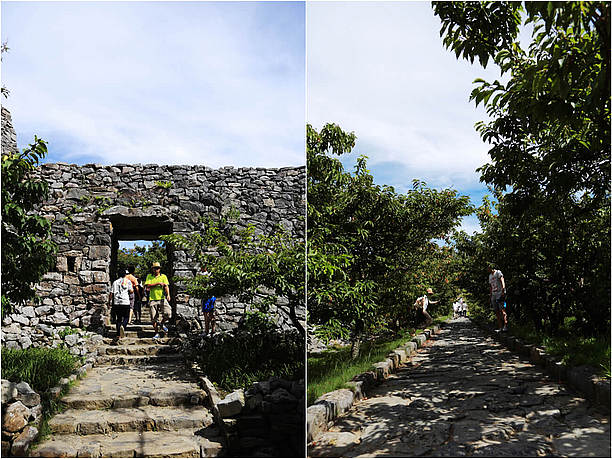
422	303
157	285
498	297
208	309
135	295
119	300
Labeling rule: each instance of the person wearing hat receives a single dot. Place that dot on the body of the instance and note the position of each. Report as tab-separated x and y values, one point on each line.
157	285
422	303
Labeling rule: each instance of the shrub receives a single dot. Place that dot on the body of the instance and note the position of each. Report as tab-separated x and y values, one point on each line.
255	351
41	368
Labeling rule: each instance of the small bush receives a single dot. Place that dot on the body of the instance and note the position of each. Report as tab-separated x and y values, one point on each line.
256	351
41	368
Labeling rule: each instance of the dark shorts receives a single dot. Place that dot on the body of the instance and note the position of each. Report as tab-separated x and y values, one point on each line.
497	303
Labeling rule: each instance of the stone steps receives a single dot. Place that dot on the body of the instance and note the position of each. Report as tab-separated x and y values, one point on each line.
136	359
142	419
140	341
138	401
138	349
184	443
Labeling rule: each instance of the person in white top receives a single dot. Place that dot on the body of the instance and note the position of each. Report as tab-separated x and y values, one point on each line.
498	297
119	300
463	307
456	309
422	302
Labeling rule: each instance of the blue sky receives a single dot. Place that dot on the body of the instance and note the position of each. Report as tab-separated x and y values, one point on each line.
381	71
212	83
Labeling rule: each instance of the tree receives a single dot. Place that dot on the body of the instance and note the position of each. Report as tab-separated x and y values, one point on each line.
250	266
366	242
550	154
27	249
142	257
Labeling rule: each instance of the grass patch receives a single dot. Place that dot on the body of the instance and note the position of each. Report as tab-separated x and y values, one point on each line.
41	368
570	348
568	345
332	369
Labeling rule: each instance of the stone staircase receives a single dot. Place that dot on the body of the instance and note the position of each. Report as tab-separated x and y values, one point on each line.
138	401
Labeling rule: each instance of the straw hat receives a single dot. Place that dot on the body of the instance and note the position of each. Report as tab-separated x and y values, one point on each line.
430	291
155	265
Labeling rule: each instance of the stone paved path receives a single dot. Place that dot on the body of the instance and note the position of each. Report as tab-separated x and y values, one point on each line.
139	401
466	395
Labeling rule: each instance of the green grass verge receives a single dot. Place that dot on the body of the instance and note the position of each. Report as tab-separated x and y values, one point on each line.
42	368
572	350
333	369
567	345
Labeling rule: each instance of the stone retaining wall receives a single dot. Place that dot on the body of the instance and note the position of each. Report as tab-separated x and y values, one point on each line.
321	414
21	413
266	420
92	207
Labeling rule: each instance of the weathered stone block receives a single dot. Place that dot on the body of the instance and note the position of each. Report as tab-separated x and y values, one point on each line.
316	421
27	396
232	404
99	252
336	402
9	391
22	442
16	417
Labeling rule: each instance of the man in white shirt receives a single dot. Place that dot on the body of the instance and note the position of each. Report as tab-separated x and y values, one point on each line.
498	297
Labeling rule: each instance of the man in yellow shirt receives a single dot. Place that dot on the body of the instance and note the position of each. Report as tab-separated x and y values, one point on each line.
157	285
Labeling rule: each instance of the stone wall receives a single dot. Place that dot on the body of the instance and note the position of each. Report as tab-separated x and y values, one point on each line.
21	413
92	207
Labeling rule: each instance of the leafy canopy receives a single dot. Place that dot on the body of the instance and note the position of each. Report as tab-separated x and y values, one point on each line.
550	154
365	241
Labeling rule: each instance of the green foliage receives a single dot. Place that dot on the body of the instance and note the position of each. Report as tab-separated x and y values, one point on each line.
27	249
103	203
549	230
370	249
256	351
142	257
41	368
163	184
246	265
68	331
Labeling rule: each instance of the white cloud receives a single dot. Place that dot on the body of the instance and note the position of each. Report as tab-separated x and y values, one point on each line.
381	71
207	83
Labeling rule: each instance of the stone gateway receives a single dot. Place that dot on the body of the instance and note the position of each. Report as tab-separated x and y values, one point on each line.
93	207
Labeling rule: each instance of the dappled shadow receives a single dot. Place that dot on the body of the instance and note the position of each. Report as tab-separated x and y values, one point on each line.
466	395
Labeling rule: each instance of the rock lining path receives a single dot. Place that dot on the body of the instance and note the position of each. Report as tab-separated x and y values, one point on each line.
466	395
139	401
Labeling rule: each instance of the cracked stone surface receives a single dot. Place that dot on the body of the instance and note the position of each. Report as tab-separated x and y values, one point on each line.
466	395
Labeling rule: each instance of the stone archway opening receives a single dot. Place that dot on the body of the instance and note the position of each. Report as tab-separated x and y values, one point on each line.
138	227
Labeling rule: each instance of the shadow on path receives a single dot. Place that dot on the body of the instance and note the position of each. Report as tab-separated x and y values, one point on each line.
466	395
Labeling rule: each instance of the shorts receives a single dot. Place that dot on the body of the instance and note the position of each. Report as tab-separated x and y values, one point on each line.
160	307
497	302
209	305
